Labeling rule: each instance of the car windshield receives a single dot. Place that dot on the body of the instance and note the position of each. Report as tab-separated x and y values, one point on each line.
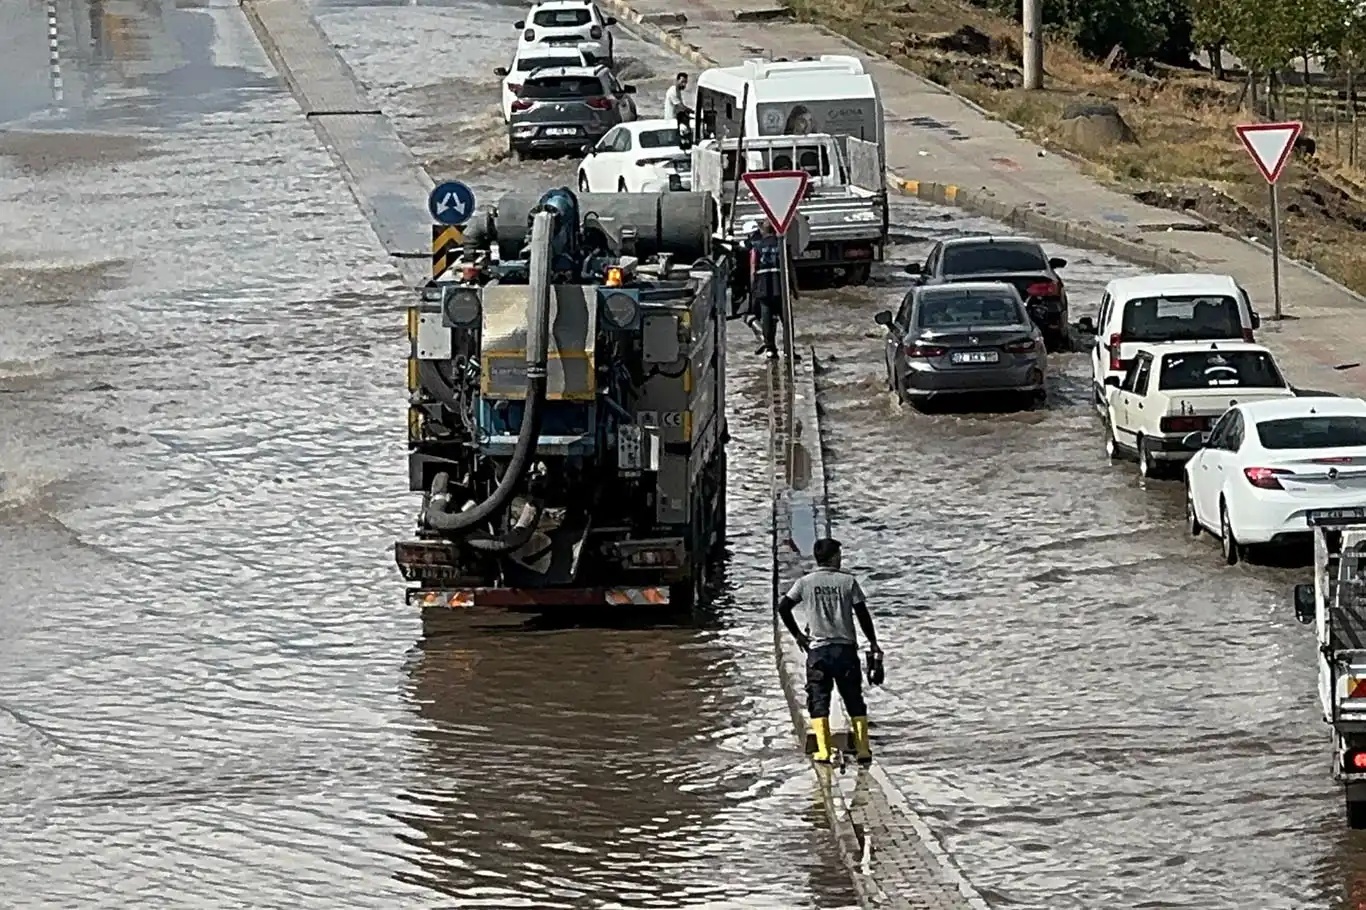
530	64
1218	369
1181	318
560	18
550	87
944	311
1318	432
993	258
658	139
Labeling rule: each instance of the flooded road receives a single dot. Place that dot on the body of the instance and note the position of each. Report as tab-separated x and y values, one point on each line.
211	692
1099	712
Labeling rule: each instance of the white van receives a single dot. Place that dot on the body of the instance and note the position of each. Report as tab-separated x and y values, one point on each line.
832	94
1151	309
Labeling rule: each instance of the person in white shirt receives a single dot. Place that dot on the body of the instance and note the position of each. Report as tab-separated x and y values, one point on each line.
674	107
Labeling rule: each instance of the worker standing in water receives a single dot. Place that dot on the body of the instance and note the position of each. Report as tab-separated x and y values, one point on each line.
771	295
833	600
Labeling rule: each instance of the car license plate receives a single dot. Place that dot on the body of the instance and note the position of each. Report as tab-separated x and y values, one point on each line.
974	357
560	131
810	254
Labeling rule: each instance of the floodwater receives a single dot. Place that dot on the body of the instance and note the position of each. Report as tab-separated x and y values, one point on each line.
211	693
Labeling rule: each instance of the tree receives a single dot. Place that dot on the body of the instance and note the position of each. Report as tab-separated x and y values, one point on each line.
1213	22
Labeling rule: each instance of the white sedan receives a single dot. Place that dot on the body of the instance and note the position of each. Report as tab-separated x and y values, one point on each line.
644	156
1268	462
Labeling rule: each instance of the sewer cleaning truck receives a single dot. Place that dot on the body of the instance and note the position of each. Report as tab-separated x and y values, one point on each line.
566	421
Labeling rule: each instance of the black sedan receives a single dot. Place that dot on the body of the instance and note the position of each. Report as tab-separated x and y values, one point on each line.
964	338
1016	261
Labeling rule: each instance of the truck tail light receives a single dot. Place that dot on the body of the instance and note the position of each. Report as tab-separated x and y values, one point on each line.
1115	341
1265	478
1354	761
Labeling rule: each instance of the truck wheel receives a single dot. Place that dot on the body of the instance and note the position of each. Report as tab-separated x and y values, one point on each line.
1356	814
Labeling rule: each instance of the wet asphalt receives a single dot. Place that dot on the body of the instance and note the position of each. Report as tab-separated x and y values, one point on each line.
210	691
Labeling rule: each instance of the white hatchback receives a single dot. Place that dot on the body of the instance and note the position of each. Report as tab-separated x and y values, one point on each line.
645	156
569	23
1269	462
535	57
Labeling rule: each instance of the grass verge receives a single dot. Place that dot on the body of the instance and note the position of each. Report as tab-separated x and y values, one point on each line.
1186	156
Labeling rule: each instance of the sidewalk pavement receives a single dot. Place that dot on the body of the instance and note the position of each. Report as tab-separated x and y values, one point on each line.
945	149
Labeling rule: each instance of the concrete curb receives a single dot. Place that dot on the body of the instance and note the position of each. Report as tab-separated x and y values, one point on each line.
654	34
1072	233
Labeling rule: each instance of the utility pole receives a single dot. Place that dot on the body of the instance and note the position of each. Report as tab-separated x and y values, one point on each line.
1033	45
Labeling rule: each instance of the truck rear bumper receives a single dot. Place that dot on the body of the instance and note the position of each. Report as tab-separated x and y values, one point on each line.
537	599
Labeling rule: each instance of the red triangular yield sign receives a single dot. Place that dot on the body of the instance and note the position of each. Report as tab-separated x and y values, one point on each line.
778	193
1269	144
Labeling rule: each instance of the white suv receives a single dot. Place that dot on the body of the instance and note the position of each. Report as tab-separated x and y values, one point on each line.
572	24
534	57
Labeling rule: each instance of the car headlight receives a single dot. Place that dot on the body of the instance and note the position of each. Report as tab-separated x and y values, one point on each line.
620	310
462	307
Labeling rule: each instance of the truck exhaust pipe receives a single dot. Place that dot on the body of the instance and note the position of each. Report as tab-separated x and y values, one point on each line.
537	354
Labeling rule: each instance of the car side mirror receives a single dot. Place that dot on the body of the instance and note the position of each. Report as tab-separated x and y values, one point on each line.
1305	608
912	268
1193	441
1256	321
1086	325
1112	381
1056	263
519	24
610	20
500	71
884	318
629	89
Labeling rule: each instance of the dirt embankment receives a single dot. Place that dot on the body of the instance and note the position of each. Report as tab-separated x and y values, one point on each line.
1179	150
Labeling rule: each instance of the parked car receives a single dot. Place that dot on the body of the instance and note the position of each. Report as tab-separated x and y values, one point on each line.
1017	261
1157	308
534	57
570	23
1173	390
645	156
563	108
963	338
1267	462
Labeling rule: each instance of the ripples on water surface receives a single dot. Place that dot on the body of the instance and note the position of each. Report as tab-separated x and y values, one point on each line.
209	688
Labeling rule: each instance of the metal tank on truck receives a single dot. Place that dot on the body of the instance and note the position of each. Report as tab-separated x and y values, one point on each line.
567	406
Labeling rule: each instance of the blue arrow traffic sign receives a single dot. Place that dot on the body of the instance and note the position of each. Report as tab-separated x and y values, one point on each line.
451	203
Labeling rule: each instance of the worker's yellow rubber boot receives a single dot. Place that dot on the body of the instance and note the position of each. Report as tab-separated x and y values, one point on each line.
821	727
863	749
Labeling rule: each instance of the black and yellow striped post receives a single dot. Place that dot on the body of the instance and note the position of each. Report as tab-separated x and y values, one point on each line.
446	241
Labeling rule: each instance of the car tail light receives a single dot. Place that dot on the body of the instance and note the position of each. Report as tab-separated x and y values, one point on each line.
529	34
1043	289
1183	424
925	350
652	162
1354	761
1115	341
521	105
1339	459
599	104
1265	478
595	32
1247	335
1023	346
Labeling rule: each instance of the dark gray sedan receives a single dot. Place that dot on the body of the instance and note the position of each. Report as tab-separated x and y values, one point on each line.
969	337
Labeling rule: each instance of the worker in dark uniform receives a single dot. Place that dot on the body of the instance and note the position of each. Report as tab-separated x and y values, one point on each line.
833	600
766	286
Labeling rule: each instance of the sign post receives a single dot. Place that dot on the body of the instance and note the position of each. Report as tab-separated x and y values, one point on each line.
1270	145
778	194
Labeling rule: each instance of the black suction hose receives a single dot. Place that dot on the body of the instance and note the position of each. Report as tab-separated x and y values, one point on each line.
537	354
